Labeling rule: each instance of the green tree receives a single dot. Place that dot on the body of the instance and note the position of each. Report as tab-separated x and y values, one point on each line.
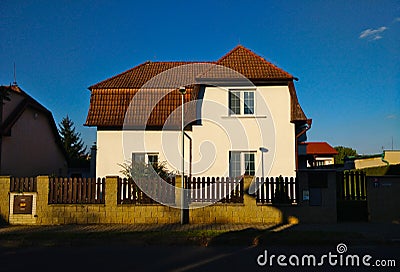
72	141
343	152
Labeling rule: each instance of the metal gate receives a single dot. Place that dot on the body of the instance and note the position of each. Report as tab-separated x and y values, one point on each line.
351	196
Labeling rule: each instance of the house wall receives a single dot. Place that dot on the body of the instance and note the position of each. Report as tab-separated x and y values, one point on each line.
116	147
221	133
212	141
9	106
31	149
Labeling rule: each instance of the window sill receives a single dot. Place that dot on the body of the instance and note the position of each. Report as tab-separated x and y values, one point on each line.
243	116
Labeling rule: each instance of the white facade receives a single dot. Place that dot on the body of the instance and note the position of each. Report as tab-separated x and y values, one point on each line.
219	134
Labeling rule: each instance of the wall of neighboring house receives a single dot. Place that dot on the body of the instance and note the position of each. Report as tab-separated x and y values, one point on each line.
389	157
212	141
9	106
31	149
392	156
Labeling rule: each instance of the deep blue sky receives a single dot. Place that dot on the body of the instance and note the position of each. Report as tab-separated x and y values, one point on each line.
345	53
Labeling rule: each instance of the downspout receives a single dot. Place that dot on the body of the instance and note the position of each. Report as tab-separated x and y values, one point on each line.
190	154
309	122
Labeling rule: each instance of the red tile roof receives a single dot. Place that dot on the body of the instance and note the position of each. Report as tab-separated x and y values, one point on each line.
252	66
110	98
320	148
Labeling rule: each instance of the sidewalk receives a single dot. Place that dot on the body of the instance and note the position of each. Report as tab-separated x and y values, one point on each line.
93	228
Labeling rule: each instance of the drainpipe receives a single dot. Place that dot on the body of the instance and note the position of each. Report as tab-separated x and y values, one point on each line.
190	154
309	122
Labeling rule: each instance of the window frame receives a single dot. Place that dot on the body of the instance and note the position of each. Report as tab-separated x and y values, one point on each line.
146	157
242	102
242	162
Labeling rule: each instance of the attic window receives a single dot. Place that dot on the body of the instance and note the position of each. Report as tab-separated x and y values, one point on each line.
241	102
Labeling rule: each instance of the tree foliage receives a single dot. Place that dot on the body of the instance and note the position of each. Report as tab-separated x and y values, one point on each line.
71	140
142	170
343	152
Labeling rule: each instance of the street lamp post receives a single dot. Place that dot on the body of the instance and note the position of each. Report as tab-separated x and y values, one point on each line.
263	150
182	90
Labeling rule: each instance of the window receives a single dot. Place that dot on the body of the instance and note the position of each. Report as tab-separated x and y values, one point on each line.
241	163
234	164
234	102
151	158
241	102
249	164
248	102
138	157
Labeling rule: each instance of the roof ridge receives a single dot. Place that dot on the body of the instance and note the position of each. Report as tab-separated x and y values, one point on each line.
143	64
120	74
254	55
230	52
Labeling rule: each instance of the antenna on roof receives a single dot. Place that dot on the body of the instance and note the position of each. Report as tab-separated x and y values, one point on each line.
15	76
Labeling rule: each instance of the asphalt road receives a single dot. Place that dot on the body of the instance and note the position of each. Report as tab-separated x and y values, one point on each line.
181	258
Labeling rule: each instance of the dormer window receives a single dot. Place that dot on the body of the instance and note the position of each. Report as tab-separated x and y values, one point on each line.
241	102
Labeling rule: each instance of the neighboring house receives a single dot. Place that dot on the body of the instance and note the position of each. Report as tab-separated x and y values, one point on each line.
268	112
319	154
30	143
388	157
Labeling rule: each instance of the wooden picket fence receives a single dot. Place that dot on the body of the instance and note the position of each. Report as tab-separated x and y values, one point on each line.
23	184
278	190
76	191
215	189
129	192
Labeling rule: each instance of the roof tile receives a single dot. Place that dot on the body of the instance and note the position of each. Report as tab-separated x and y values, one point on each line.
320	148
110	98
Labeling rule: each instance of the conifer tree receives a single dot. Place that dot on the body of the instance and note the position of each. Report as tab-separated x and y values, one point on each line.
71	140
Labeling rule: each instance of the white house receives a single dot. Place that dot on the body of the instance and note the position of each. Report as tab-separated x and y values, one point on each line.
234	108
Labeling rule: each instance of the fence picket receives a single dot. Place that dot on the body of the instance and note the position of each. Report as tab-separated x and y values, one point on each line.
128	192
24	184
277	190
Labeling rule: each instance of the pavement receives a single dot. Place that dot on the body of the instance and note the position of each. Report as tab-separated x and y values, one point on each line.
132	228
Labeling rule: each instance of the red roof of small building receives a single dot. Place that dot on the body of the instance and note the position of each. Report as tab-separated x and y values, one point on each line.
320	148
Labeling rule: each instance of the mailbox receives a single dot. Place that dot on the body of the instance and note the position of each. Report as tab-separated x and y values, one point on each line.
23	204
